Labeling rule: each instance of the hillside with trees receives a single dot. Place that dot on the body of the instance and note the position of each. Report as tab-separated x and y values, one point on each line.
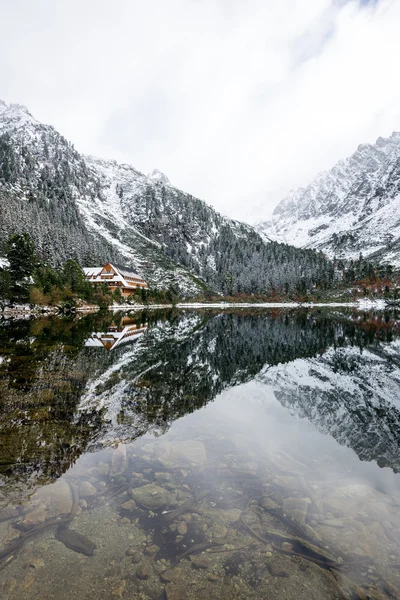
92	210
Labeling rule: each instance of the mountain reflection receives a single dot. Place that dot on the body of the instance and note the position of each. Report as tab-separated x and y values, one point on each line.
62	392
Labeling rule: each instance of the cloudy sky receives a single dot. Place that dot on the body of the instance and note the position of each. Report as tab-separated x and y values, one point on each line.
236	101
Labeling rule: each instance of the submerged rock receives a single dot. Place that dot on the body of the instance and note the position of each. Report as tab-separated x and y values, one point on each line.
35	517
152	550
200	561
129	506
179	454
118	460
175	592
136	558
171	575
143	572
296	509
119	590
75	541
153	497
181	528
268	504
54	500
86	490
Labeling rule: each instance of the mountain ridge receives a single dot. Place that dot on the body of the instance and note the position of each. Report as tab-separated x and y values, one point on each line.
96	209
353	208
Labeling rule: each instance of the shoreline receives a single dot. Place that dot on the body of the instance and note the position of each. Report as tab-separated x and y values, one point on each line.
27	311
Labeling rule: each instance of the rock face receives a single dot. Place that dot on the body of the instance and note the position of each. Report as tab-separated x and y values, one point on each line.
353	208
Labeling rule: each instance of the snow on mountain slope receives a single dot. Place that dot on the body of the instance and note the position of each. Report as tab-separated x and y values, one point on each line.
97	209
85	198
353	208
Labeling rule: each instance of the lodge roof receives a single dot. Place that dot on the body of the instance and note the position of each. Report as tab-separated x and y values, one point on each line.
91	270
122	274
125	271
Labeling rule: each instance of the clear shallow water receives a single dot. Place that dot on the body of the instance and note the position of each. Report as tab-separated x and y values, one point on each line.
200	455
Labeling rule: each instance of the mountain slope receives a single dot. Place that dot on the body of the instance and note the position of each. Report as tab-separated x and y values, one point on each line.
353	208
97	209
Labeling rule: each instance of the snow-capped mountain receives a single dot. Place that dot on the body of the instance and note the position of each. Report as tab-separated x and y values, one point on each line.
96	209
158	177
353	208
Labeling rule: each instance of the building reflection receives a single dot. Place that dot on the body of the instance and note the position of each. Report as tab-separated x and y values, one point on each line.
128	330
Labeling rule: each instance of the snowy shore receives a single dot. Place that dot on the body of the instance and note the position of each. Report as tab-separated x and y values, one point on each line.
25	310
379	304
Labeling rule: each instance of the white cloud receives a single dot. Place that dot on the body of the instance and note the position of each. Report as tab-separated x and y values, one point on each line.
237	102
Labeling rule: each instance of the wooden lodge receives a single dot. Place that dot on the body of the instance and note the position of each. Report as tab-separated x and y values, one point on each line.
116	277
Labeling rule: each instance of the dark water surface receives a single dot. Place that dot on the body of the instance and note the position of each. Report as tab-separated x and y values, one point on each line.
197	455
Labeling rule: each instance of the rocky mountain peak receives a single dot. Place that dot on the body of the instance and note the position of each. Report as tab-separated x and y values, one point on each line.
158	177
353	208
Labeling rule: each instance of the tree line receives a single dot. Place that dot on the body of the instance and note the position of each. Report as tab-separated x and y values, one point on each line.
27	279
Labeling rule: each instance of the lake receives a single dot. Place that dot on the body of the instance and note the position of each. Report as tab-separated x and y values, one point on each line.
176	455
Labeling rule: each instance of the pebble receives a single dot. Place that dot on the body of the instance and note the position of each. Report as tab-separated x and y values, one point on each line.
36	563
172	575
200	562
151	550
125	521
287	547
268	504
119	590
83	503
136	558
129	506
219	531
276	571
175	592
143	572
182	528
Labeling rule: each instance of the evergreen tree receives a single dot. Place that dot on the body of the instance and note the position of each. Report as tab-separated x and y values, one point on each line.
21	256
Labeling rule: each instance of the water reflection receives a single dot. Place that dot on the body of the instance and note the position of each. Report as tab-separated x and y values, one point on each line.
250	497
128	330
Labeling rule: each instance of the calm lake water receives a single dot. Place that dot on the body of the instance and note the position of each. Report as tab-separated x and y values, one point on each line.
197	455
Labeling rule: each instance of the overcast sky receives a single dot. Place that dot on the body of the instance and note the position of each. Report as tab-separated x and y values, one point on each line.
236	101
